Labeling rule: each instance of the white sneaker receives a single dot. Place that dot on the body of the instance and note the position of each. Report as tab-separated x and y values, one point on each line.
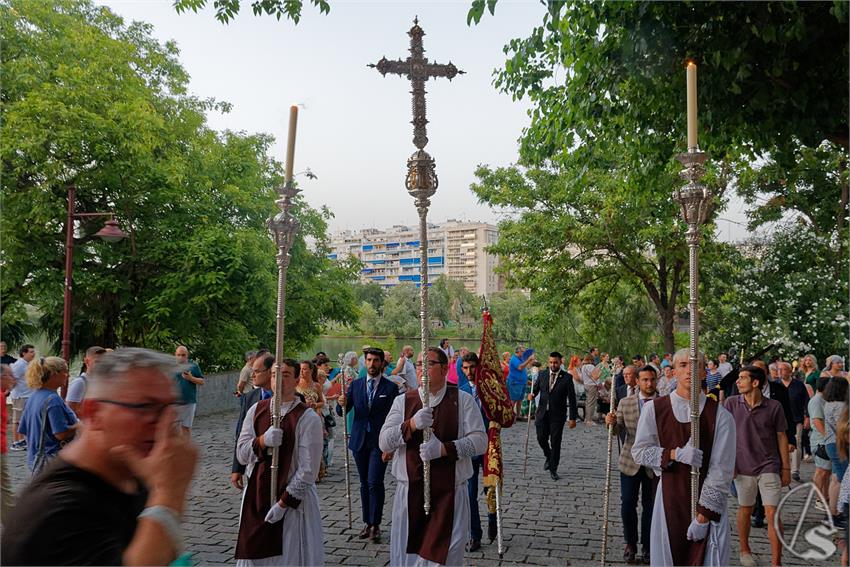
748	560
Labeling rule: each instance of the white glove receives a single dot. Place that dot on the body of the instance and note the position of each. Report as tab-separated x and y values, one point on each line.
430	449
689	456
275	514
423	418
697	531
273	437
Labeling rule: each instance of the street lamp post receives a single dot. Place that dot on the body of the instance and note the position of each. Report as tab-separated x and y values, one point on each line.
110	233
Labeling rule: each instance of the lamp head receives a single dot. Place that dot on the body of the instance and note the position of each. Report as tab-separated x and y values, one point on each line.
110	232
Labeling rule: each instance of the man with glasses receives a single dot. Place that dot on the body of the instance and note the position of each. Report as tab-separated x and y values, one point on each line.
115	495
188	379
456	435
261	376
288	532
371	399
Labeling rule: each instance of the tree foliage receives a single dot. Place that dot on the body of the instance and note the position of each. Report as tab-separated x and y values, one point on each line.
227	10
606	81
782	296
90	101
772	75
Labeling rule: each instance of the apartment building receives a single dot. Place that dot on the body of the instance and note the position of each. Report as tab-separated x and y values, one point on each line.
455	249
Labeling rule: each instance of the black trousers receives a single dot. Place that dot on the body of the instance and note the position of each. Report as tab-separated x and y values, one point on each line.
549	434
630	486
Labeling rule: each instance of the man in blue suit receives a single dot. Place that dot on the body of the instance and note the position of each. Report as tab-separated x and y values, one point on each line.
371	399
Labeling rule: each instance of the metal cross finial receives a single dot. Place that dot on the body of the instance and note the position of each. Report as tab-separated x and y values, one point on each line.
418	70
421	182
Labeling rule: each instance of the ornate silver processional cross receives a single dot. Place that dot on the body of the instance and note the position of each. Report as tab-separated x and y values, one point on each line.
421	182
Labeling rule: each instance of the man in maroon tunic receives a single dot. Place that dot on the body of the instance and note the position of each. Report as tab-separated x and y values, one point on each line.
663	443
457	435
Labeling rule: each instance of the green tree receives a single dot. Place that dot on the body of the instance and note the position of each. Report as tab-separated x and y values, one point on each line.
784	298
773	75
226	10
370	293
90	101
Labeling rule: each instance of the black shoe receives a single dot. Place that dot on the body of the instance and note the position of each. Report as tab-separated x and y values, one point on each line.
473	545
546	466
644	556
375	535
364	533
796	476
758	522
629	555
554	475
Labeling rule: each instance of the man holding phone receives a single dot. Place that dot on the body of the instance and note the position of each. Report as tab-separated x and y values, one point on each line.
188	378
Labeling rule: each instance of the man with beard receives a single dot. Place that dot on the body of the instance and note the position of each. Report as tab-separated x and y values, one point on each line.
556	392
371	399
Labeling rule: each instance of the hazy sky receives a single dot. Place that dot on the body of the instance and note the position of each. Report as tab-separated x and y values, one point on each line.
354	129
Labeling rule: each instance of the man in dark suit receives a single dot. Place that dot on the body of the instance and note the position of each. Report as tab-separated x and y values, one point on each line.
371	399
556	391
261	376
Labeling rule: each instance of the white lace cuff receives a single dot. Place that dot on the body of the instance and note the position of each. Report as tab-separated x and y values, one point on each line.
465	448
649	457
713	499
297	488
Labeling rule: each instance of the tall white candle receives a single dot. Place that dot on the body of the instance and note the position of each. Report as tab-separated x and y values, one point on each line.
692	104
290	145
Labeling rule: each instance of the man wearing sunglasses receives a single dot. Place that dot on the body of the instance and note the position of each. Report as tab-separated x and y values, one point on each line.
115	495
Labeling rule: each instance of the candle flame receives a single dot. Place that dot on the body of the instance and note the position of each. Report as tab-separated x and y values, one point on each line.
691	63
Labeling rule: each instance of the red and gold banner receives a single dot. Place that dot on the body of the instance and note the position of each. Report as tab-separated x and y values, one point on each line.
497	405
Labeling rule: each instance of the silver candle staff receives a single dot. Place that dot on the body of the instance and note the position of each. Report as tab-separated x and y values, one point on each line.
421	182
345	437
695	200
606	499
283	227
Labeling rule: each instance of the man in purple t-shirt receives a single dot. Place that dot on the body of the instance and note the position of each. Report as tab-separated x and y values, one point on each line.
761	461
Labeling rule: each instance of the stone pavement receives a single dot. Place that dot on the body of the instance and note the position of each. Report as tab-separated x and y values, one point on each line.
545	522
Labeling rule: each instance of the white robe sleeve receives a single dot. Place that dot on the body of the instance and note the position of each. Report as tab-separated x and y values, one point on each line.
647	449
721	468
474	441
244	445
309	435
391	438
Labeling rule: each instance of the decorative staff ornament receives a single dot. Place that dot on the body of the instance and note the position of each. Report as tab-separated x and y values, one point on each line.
283	228
341	378
695	200
606	499
421	183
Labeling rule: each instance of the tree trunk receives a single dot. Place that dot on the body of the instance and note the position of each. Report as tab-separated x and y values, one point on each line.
667	323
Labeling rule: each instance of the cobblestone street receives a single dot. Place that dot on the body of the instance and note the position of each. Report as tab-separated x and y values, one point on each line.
545	522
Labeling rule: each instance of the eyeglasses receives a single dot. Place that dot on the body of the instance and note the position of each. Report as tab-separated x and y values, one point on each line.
149	408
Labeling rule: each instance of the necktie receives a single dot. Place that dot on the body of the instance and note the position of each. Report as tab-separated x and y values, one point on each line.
552	377
370	391
631	390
